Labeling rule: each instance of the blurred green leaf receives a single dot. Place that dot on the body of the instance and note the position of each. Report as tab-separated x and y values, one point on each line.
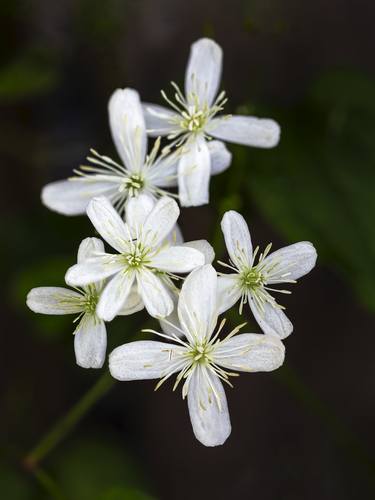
319	183
98	469
26	77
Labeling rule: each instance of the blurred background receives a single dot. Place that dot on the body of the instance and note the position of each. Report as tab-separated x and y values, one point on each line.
304	432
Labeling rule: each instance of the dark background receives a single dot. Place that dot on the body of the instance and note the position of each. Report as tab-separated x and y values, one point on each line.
304	432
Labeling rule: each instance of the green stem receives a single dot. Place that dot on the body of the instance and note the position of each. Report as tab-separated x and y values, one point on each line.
68	422
48	484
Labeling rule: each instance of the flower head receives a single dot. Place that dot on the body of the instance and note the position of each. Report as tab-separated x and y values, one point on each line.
138	173
201	360
90	336
145	256
256	274
194	119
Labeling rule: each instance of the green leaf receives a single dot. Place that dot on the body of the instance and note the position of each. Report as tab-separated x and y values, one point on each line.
26	77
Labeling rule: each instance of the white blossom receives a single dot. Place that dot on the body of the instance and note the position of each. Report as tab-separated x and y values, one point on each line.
193	121
138	173
200	358
90	336
252	282
145	256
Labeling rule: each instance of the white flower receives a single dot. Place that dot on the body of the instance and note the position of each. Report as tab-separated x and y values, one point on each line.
193	120
201	359
90	339
253	282
144	256
138	173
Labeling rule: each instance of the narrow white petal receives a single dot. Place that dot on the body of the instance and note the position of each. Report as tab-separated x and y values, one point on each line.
93	270
250	352
137	210
133	304
203	71
292	262
174	237
221	158
160	221
204	247
154	294
108	223
54	300
237	239
144	360
247	130
208	408
158	119
194	171
114	296
171	324
164	173
90	342
197	305
228	291
128	127
89	248
177	259
272	320
71	197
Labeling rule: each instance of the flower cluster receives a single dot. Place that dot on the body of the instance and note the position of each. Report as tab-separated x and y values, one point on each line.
129	205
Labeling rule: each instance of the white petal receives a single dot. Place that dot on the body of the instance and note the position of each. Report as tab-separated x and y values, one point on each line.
128	127
204	247
108	223
177	259
93	270
137	210
164	173
292	262
174	237
228	291
114	296
154	294
208	408
160	220
203	71
158	119
221	158
54	300
194	171
250	352
133	304
272	320
197	305
71	197
237	239
247	130
89	248
171	324
90	342
144	360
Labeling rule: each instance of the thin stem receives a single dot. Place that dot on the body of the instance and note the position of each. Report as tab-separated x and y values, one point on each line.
48	484
68	422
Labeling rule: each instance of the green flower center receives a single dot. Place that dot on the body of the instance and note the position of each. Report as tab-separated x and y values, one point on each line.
194	120
91	301
201	354
136	258
252	278
134	184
